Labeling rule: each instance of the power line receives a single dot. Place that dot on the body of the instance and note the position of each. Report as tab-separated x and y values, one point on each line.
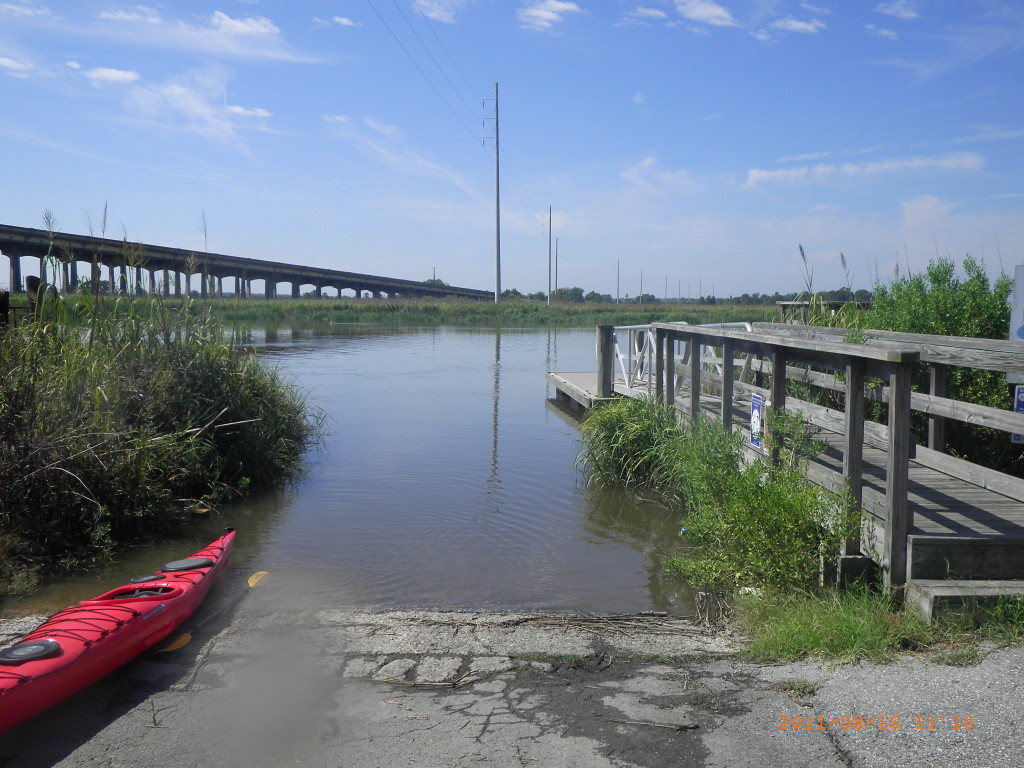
420	70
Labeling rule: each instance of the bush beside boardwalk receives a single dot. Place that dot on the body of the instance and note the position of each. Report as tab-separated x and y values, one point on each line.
118	417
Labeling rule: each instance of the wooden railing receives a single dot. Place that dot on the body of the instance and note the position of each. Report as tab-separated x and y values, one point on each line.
822	358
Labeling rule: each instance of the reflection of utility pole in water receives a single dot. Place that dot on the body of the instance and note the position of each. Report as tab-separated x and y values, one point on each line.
494	482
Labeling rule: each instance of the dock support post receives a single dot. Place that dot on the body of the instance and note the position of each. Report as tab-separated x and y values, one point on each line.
695	385
898	520
605	360
853	444
659	363
727	383
937	424
778	392
670	369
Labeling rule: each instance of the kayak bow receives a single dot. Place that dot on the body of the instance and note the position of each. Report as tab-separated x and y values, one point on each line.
82	643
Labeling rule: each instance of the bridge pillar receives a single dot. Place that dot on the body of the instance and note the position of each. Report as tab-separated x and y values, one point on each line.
296	286
268	289
42	269
220	286
16	286
167	285
177	283
73	266
152	281
204	283
112	279
138	280
317	291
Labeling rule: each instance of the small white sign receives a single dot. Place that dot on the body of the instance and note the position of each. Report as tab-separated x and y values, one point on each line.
757	421
1018	407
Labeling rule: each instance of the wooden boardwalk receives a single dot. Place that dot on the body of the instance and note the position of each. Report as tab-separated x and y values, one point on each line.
945	529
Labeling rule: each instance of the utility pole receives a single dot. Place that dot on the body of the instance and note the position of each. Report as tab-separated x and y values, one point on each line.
556	265
549	255
497	204
617	281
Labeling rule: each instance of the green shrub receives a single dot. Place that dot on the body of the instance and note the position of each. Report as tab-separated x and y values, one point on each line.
939	301
116	418
749	525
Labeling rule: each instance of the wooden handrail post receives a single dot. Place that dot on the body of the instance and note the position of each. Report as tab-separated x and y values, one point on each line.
659	363
778	392
727	383
853	445
937	424
605	360
695	366
898	516
670	369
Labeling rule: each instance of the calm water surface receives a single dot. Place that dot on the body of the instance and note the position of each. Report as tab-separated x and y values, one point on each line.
446	479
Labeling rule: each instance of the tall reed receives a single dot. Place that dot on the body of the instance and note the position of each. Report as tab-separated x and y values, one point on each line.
118	414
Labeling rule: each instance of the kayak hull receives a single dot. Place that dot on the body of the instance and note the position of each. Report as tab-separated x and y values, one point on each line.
85	642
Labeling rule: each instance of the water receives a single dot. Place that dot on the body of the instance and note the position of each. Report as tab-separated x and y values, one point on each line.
446	479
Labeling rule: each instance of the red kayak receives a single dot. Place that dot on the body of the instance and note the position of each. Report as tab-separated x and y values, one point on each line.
77	646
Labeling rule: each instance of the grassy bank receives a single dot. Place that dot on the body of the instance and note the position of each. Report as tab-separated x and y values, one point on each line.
766	540
510	313
117	420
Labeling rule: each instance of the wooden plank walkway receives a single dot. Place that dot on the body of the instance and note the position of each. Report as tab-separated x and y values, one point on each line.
941	505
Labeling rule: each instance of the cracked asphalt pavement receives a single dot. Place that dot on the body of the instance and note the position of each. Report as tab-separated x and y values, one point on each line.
367	689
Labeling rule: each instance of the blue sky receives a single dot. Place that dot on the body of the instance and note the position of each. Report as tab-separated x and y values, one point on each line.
698	141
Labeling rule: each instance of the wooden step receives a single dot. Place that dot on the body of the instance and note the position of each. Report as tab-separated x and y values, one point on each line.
930	597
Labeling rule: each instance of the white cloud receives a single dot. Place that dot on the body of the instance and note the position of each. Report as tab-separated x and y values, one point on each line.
72	65
254	25
337	118
438	10
191	103
900	9
648	13
804	158
705	12
642	15
247	112
882	32
790	24
24	9
639	98
254	37
101	75
141	13
344	21
386	144
14	67
542	15
761	35
956	161
649	174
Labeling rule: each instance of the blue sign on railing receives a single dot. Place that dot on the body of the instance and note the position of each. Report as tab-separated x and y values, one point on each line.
757	421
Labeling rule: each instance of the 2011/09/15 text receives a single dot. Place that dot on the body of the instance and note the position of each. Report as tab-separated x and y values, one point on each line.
805	722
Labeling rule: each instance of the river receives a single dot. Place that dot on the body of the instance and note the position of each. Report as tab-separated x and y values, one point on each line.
445	479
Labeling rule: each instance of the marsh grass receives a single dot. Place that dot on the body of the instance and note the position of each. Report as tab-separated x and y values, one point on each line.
118	415
508	313
843	625
746	525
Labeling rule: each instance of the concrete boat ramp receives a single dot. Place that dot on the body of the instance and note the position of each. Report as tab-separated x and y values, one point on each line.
507	690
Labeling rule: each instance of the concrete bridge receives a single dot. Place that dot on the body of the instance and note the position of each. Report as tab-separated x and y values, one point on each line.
120	265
